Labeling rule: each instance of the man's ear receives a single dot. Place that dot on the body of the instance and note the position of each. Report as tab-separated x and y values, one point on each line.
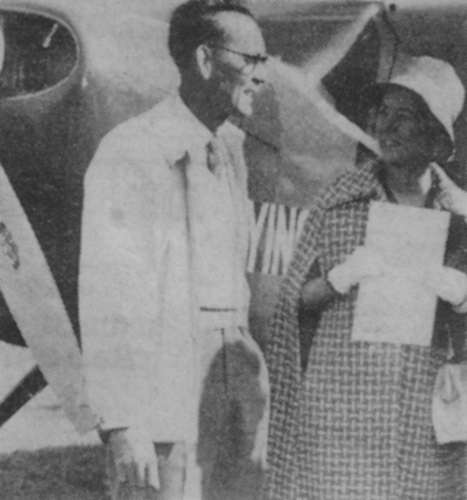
203	57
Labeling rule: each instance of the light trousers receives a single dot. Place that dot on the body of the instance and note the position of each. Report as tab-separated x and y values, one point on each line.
227	461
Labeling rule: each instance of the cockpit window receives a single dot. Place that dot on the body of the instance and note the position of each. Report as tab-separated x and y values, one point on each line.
39	53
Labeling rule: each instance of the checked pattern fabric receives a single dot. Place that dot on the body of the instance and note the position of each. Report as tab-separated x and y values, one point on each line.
357	424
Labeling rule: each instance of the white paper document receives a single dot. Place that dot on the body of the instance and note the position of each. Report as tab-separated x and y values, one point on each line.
395	308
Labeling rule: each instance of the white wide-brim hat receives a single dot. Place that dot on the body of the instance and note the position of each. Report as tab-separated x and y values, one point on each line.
436	82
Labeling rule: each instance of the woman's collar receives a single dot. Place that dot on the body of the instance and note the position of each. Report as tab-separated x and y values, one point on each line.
367	182
361	183
431	187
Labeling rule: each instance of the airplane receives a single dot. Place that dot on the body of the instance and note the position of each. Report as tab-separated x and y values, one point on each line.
71	71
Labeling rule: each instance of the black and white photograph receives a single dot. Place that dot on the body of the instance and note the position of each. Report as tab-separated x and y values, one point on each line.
233	250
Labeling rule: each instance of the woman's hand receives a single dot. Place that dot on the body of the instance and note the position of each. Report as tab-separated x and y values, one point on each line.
450	285
447	283
363	263
360	265
453	198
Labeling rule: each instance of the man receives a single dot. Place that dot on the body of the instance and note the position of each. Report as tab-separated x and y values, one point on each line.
178	382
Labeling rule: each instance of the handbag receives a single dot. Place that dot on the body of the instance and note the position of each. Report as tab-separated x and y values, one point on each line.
449	408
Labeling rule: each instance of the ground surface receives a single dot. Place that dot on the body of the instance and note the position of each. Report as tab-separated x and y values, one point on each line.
69	473
41	455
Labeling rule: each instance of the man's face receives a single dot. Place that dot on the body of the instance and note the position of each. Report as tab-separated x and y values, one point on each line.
402	130
238	69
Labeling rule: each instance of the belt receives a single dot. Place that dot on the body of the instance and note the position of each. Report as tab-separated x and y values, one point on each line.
218	309
221	317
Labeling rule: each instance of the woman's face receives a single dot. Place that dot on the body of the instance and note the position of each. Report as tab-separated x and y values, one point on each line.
403	131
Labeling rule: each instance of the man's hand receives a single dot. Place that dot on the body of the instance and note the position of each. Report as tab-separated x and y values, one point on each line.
135	457
360	265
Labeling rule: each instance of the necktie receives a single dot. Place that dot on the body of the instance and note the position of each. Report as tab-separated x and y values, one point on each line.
214	156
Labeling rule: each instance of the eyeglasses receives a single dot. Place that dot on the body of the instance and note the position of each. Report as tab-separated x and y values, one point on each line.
250	60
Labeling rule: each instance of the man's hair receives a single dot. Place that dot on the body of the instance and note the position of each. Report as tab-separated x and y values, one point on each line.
193	23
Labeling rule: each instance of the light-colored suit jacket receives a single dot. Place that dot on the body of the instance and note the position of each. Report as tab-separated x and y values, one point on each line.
137	310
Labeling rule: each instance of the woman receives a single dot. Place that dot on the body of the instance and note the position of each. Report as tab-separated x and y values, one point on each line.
353	420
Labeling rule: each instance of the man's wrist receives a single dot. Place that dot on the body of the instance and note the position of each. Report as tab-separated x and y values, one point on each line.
104	430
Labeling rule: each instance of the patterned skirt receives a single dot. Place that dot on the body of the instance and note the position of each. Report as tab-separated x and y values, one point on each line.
365	428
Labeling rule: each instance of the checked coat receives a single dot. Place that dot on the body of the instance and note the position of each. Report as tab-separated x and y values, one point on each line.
356	424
